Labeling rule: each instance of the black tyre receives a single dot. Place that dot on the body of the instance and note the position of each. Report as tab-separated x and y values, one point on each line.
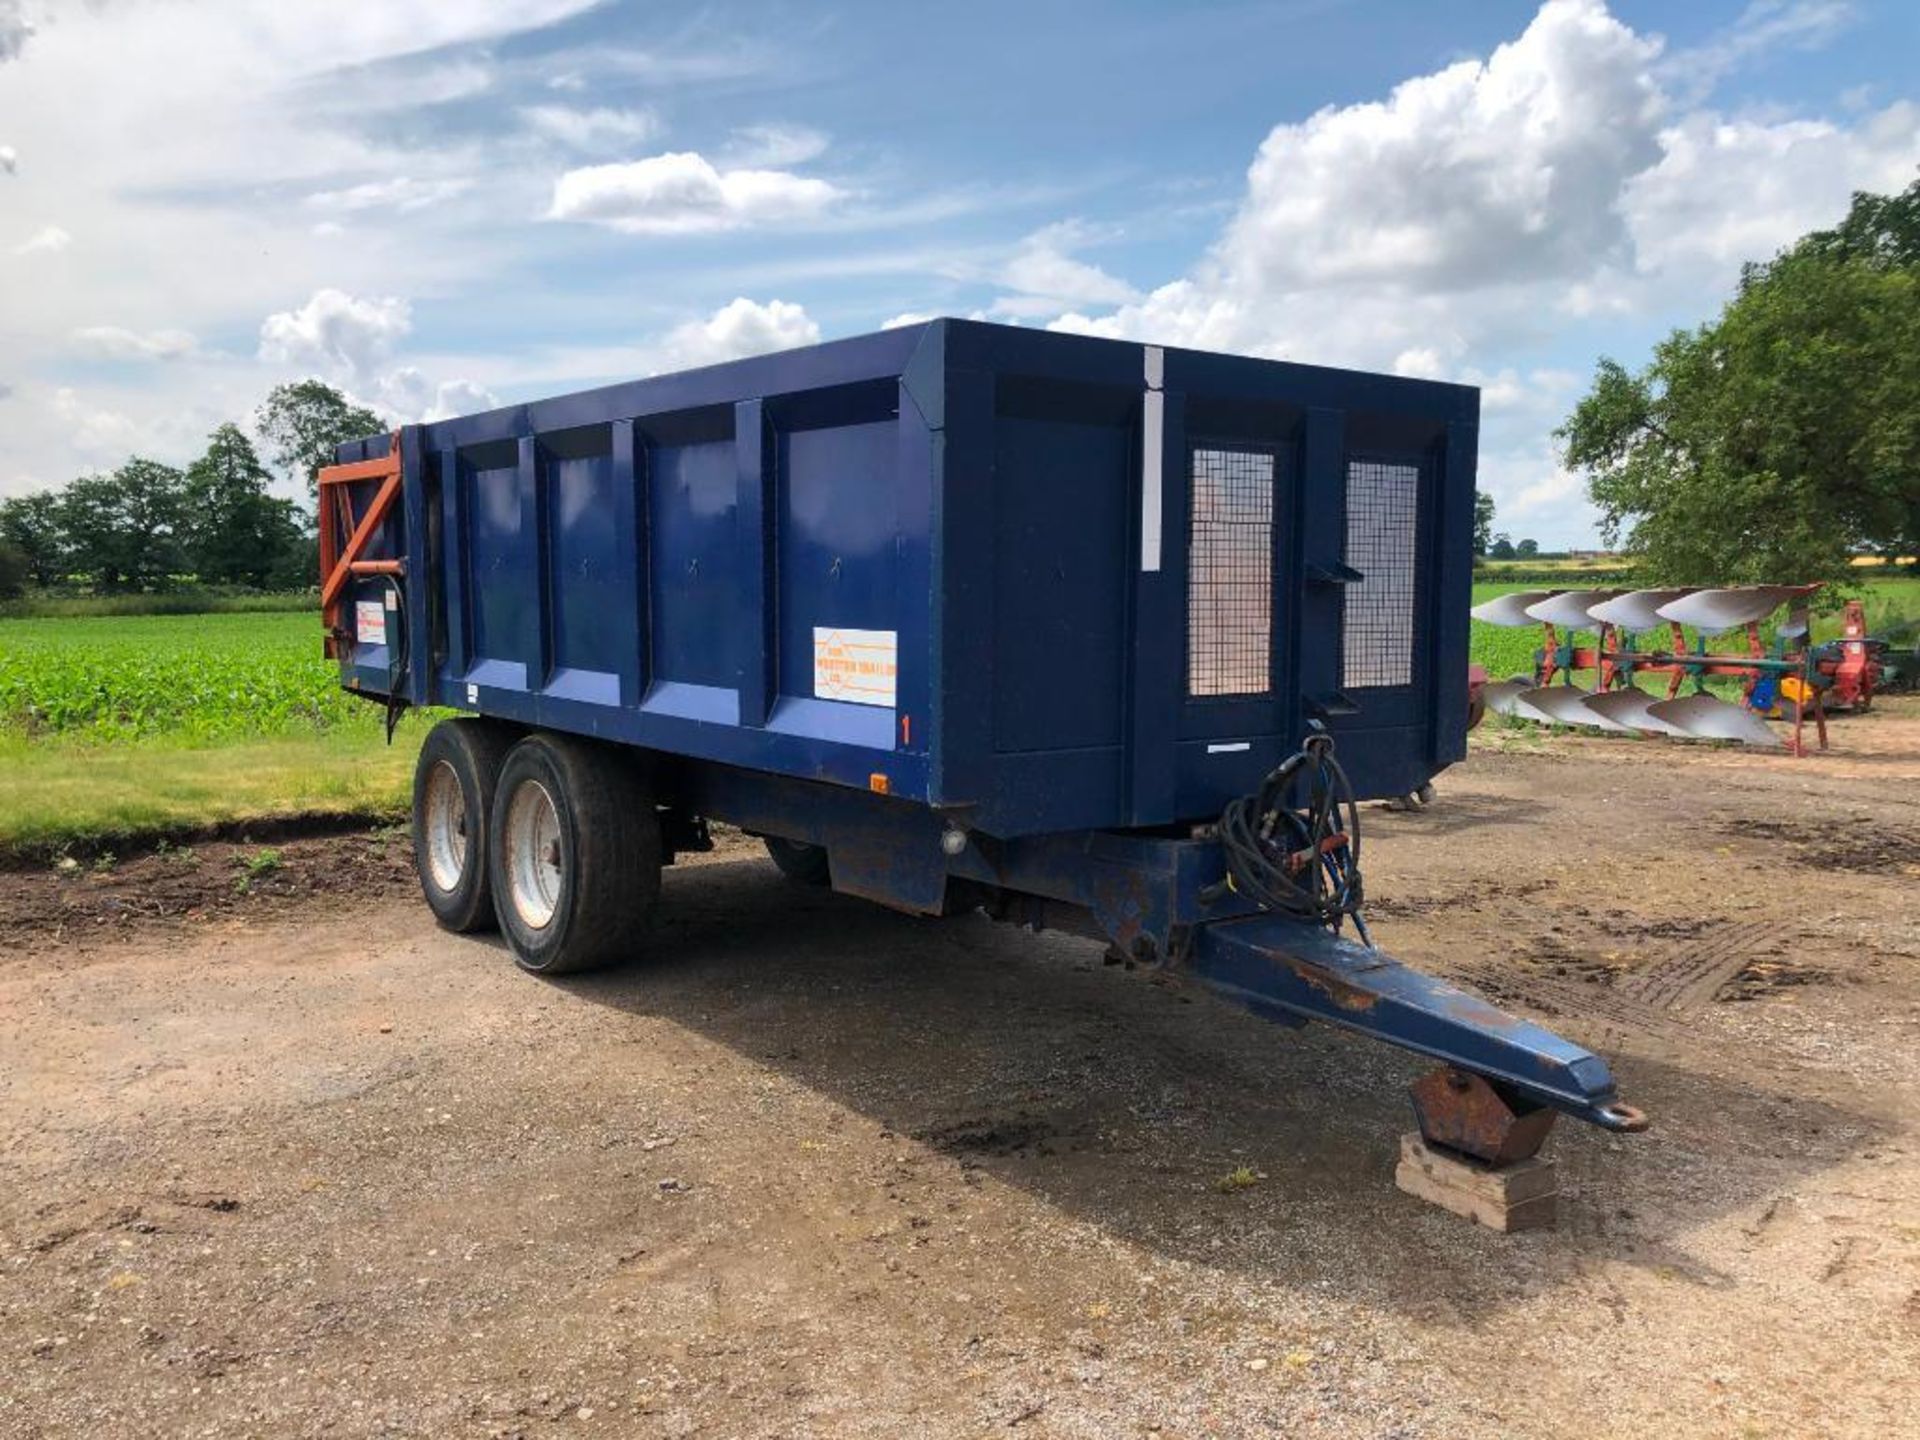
574	852
453	785
800	861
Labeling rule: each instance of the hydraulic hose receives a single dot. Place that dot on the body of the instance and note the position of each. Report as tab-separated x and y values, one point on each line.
1303	862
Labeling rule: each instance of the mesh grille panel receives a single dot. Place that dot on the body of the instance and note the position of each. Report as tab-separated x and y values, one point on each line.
1230	573
1382	529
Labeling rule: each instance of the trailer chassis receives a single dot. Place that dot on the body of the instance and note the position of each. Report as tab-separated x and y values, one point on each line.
1158	901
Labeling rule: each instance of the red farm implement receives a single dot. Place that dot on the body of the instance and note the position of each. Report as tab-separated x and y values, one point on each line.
1791	679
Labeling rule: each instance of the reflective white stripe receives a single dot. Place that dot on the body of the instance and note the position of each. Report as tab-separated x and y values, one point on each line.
1154	417
1230	747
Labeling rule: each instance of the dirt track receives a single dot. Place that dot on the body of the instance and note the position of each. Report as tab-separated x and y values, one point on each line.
291	1162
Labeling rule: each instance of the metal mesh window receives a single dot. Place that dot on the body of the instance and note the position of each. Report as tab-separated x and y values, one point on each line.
1230	573
1382	528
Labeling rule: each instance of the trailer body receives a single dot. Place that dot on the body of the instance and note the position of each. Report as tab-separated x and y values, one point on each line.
993	617
1052	582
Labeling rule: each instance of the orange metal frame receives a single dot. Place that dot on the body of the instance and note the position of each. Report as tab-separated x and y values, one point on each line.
340	559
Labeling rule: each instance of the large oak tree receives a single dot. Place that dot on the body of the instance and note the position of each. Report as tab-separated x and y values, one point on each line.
1773	443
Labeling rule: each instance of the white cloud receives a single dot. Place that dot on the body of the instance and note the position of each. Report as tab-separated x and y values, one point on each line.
99	435
47	240
1483	172
1534	495
739	328
1478	209
15	29
682	193
1046	278
1421	224
599	128
369	91
1475	203
1422	362
408	395
340	334
906	318
776	146
1731	190
116	342
320	37
181	178
1763	26
402	194
460	397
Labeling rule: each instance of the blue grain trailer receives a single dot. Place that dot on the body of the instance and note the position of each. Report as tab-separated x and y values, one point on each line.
956	616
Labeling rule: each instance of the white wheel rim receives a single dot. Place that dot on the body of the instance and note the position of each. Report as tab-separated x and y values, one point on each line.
532	842
446	822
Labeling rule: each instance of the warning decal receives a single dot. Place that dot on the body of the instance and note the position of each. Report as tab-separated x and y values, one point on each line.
856	665
370	622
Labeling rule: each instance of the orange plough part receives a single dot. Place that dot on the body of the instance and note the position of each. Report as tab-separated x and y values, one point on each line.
340	559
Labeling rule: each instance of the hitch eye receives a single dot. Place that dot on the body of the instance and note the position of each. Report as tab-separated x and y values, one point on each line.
1624	1118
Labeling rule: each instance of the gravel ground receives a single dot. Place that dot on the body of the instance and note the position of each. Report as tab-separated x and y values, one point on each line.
279	1158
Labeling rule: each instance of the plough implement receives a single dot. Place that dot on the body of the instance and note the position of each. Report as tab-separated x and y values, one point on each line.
1792	678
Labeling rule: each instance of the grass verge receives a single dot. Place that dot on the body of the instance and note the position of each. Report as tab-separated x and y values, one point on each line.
59	797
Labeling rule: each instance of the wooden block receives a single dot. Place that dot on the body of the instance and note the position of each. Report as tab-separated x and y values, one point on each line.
1521	1196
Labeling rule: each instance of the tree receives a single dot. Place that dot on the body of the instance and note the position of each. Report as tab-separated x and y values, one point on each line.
15	569
1482	522
1776	441
1878	230
1501	548
122	530
239	533
1526	549
302	422
31	525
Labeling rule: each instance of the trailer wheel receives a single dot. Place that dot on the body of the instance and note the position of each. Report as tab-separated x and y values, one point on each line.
453	785
800	861
574	851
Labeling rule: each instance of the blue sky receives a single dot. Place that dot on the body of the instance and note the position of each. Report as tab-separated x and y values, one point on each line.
507	198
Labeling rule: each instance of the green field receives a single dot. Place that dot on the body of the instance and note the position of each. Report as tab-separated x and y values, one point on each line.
122	725
192	677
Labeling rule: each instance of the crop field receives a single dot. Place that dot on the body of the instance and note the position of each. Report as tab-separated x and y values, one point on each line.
112	726
189	677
